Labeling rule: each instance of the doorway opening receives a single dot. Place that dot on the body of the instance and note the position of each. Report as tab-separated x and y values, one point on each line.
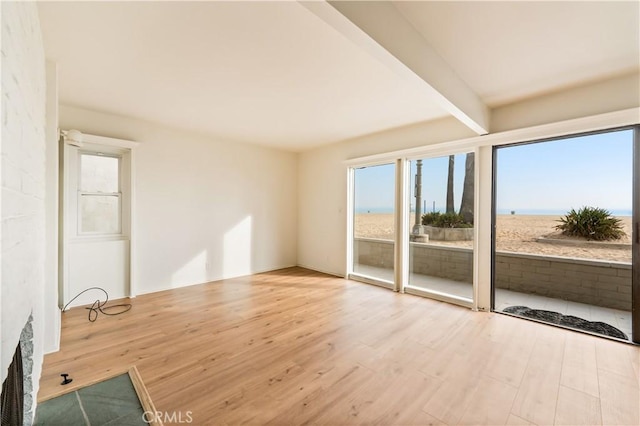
564	234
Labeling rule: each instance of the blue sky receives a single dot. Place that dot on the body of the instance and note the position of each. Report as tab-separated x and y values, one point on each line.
591	170
374	188
546	178
375	185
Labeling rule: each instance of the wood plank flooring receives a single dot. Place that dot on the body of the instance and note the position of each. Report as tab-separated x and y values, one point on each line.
299	347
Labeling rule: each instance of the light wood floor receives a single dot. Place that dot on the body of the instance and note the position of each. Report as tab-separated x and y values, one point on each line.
295	346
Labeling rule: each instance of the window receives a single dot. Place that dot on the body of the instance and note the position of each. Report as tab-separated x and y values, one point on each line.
99	195
442	232
374	230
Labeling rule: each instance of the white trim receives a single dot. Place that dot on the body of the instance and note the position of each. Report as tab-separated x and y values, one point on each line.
476	227
68	214
350	220
371	280
95	238
323	271
381	161
133	282
627	117
402	225
105	141
483	224
398	225
442	152
442	297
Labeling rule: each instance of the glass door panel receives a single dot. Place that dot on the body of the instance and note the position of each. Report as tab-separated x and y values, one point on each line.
563	232
374	224
441	223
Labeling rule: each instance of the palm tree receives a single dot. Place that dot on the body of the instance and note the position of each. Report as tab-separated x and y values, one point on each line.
466	205
450	207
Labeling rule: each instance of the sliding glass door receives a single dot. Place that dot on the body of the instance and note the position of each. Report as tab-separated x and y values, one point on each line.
374	230
564	232
560	241
441	224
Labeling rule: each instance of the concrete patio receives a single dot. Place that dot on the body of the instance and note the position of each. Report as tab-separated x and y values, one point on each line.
504	298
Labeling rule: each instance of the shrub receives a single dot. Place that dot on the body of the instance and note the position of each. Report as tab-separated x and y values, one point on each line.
592	223
452	220
445	220
430	218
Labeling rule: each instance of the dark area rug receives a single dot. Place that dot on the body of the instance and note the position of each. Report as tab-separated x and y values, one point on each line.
567	321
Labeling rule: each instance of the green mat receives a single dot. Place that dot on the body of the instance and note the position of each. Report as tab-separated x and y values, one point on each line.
112	402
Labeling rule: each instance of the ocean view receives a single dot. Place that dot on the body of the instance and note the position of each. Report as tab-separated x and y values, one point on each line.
535	212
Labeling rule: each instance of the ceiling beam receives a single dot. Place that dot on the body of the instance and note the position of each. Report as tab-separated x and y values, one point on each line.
381	30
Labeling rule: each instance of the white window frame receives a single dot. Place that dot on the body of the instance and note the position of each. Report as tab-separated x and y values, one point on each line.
350	273
406	287
72	190
118	194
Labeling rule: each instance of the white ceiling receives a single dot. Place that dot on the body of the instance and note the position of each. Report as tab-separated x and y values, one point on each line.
273	73
266	73
510	50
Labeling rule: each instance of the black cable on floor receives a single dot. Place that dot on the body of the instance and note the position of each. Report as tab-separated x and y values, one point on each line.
99	307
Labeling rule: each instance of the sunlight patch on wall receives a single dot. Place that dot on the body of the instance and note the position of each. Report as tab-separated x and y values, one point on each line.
237	250
192	272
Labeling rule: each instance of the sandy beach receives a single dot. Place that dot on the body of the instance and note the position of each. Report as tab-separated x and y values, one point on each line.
515	233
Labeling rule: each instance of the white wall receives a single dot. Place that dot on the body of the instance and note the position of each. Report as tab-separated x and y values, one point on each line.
206	209
23	180
614	94
323	178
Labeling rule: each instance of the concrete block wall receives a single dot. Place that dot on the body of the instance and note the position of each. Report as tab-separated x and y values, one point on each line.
452	263
373	252
22	191
599	283
444	262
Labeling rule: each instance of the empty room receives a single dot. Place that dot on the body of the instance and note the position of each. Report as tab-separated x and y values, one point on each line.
320	212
